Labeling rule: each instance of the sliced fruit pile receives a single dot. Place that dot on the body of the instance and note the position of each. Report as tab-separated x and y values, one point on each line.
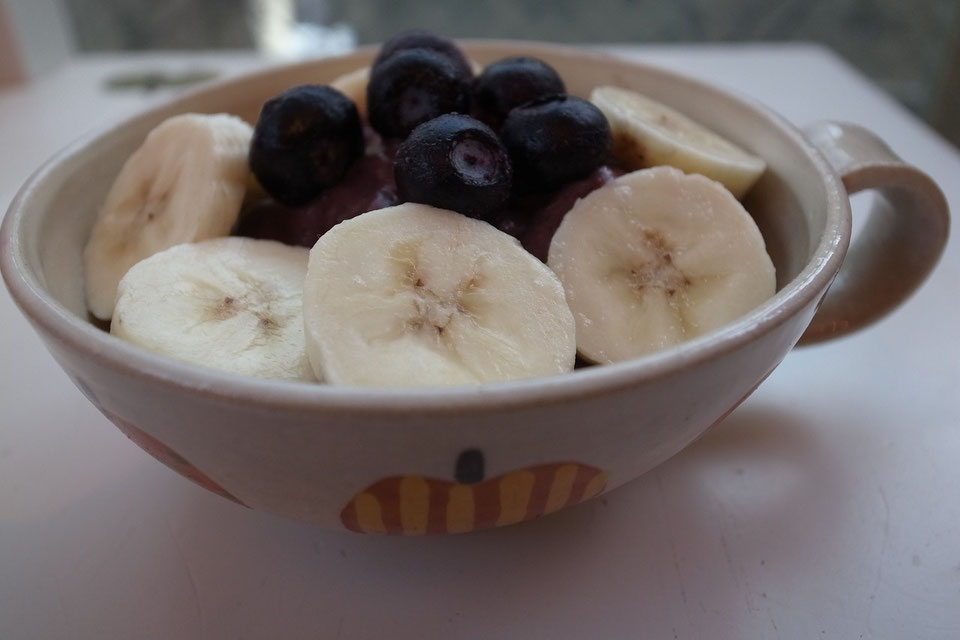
464	226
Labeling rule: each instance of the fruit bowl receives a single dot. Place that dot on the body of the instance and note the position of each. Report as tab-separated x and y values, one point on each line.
460	459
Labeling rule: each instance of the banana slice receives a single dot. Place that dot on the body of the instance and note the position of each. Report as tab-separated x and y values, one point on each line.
657	257
234	304
647	133
417	296
185	183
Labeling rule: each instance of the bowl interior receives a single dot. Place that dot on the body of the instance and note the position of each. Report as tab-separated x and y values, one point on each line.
788	203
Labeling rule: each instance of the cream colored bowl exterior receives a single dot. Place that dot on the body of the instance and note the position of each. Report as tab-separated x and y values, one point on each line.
306	451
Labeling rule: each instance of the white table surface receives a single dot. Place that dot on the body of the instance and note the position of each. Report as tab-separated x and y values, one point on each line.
826	506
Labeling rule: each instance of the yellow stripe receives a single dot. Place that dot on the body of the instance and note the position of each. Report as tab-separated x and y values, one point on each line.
595	486
560	489
414	505
369	517
460	509
515	490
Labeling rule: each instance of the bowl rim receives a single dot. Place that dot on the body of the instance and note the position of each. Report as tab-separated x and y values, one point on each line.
50	317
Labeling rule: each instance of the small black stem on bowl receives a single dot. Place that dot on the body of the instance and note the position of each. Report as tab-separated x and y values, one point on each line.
469	468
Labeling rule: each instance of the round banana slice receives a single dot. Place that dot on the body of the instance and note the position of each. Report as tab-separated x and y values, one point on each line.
657	257
417	296
647	133
234	304
186	182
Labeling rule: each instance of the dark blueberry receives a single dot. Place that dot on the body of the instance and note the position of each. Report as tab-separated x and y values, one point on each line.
554	140
454	162
411	87
305	141
368	185
509	83
419	39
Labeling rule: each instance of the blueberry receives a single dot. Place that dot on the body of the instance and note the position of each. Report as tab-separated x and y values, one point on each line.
419	39
454	162
509	83
554	140
305	141
411	87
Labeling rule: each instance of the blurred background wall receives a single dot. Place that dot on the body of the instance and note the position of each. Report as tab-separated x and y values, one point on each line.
908	48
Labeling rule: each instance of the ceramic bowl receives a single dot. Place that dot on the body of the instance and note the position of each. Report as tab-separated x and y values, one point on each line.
462	459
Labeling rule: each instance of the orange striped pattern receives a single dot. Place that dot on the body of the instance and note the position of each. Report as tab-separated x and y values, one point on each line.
414	505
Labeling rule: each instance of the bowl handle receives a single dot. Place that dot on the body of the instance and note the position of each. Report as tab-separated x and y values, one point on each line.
899	244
